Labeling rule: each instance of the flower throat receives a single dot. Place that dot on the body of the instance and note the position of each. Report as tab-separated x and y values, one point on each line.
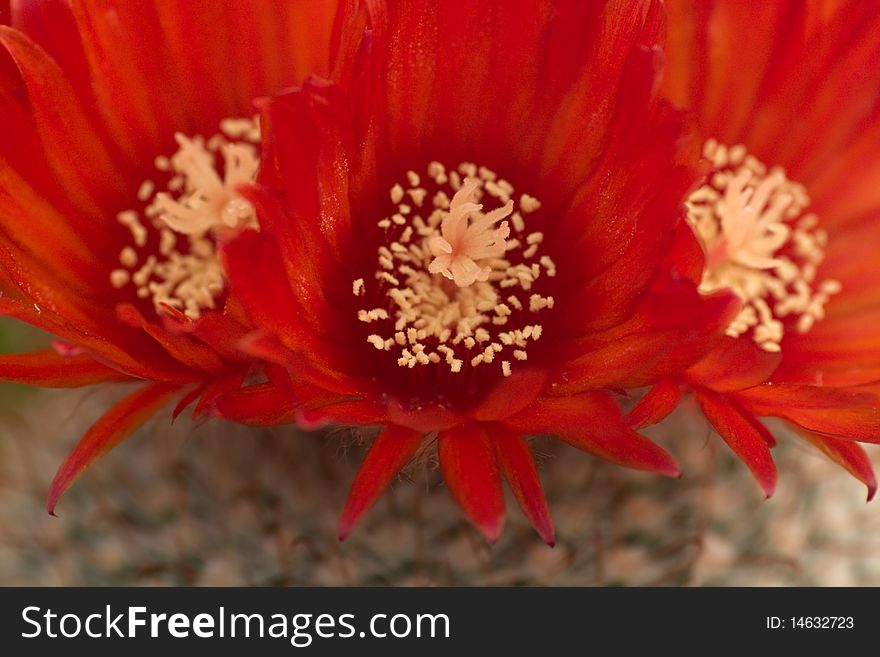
454	279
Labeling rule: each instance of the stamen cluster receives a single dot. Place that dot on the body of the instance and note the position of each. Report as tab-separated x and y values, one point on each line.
454	277
199	201
761	243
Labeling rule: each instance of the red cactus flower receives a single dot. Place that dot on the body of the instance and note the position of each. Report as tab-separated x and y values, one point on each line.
787	97
467	240
114	193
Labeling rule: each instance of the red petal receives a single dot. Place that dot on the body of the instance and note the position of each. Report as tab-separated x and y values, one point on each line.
686	254
389	453
307	157
708	67
739	432
136	91
510	395
844	348
267	347
665	334
535	67
114	427
426	419
216	389
593	423
50	24
518	468
191	353
350	411
470	470
261	405
50	369
734	364
151	362
218	330
65	131
849	413
659	402
258	280
768	437
848	454
59	236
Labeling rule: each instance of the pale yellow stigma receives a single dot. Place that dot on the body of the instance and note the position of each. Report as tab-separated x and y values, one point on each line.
760	244
451	287
200	201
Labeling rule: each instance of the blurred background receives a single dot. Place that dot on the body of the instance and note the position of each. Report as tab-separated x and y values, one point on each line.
219	504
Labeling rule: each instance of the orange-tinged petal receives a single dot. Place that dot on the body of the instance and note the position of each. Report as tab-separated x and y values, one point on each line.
470	470
114	427
657	403
849	413
389	453
848	454
186	401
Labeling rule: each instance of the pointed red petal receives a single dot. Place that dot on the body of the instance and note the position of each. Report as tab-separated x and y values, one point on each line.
848	413
470	470
739	432
114	427
518	468
659	402
389	453
50	369
186	401
768	437
848	454
592	422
